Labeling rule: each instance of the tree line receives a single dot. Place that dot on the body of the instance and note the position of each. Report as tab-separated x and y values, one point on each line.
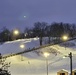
40	29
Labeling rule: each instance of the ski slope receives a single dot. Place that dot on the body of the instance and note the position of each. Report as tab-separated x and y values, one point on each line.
34	63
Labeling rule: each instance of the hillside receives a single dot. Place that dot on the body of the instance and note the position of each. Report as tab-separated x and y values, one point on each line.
34	63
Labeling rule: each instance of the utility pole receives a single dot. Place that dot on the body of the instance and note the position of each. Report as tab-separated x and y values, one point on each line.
70	56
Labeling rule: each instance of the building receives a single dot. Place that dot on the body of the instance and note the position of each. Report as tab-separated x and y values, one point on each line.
62	72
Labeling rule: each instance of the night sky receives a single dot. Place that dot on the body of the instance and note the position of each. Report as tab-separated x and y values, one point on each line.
24	13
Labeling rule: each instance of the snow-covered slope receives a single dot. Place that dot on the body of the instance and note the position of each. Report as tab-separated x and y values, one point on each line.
34	63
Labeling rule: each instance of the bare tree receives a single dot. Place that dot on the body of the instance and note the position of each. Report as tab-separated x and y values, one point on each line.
39	30
57	29
48	32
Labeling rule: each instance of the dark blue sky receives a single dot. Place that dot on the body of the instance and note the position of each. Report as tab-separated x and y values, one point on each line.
24	13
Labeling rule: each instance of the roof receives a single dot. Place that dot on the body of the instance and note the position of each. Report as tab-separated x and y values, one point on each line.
62	70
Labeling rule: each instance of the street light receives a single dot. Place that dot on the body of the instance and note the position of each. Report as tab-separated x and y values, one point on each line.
22	46
46	54
16	32
65	38
70	56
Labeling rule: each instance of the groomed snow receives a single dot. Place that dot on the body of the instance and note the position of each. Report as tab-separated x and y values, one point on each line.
34	63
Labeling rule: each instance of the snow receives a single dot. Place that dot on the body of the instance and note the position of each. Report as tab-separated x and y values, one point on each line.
34	63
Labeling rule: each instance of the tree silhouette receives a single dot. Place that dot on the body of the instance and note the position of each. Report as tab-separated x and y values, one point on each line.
39	30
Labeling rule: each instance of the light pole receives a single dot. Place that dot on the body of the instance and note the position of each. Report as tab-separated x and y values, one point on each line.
16	33
46	54
22	46
64	38
70	56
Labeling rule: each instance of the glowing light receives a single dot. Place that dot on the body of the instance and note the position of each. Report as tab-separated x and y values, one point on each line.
46	54
24	16
16	32
22	46
65	37
25	34
64	57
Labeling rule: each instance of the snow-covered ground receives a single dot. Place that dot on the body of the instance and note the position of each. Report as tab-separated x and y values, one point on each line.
34	63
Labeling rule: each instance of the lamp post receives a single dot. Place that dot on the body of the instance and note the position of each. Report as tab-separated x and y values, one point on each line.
64	38
16	33
22	46
46	54
70	56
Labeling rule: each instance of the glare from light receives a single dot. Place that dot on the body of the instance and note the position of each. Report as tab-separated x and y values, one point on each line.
22	46
46	54
25	34
65	37
16	32
35	38
64	57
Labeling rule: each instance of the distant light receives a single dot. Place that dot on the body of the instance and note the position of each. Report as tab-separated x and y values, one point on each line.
35	38
64	57
46	54
65	37
24	16
25	34
16	32
22	46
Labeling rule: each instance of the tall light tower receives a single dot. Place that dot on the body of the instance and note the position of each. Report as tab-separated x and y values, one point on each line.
22	46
